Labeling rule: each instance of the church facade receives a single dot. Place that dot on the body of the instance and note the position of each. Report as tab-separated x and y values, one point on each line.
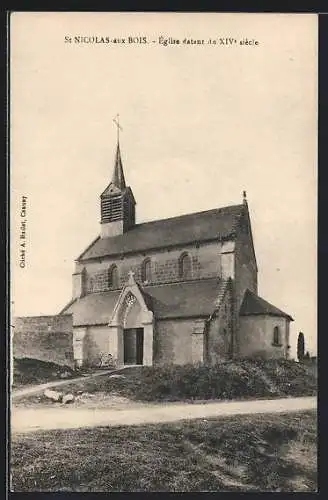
179	290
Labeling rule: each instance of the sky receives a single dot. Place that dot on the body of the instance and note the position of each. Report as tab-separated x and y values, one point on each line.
201	123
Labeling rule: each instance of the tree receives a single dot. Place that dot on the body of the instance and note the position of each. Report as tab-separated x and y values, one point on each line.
300	346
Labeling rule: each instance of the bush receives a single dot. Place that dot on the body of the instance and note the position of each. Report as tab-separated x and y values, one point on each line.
34	371
237	379
228	380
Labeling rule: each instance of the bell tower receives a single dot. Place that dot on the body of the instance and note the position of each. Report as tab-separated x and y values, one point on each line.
117	203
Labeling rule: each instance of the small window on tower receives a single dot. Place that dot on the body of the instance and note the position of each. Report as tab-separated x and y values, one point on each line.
185	266
113	278
146	271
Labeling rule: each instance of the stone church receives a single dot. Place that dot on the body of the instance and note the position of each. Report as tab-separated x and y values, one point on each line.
178	290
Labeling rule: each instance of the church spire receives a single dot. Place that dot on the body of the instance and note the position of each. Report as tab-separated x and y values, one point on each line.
117	203
118	174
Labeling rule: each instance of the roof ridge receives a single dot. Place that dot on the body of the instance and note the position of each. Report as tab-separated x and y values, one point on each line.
180	282
202	212
143	288
217	224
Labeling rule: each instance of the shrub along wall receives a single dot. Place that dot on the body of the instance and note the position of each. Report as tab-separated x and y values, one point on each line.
247	379
227	380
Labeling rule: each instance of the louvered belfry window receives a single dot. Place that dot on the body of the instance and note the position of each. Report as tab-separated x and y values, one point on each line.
111	208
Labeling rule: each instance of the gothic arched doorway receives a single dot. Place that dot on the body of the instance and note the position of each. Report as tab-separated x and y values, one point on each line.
132	324
133	346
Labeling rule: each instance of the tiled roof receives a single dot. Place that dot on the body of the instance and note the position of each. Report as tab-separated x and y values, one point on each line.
254	305
219	223
174	300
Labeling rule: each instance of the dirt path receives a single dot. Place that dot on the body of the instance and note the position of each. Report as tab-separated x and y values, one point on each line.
35	389
30	419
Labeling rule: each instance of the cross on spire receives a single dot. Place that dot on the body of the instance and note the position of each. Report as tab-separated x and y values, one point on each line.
116	120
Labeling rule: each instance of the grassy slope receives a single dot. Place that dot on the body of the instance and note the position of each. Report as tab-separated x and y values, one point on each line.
230	380
33	371
242	453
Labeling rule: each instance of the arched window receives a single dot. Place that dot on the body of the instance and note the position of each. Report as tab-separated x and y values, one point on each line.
276	336
113	278
146	271
185	266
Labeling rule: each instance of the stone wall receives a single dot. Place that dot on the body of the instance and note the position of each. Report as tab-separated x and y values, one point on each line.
47	338
99	339
245	275
173	341
176	341
245	265
227	264
256	336
219	332
205	258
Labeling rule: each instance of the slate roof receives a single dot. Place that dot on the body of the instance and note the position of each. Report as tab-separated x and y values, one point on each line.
253	305
219	224
93	309
173	300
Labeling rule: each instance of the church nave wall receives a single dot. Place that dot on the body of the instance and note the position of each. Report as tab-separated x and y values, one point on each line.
164	266
173	341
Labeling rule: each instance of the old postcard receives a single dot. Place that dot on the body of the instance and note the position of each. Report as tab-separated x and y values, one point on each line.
163	251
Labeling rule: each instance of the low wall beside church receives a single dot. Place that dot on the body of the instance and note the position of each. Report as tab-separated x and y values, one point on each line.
47	338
